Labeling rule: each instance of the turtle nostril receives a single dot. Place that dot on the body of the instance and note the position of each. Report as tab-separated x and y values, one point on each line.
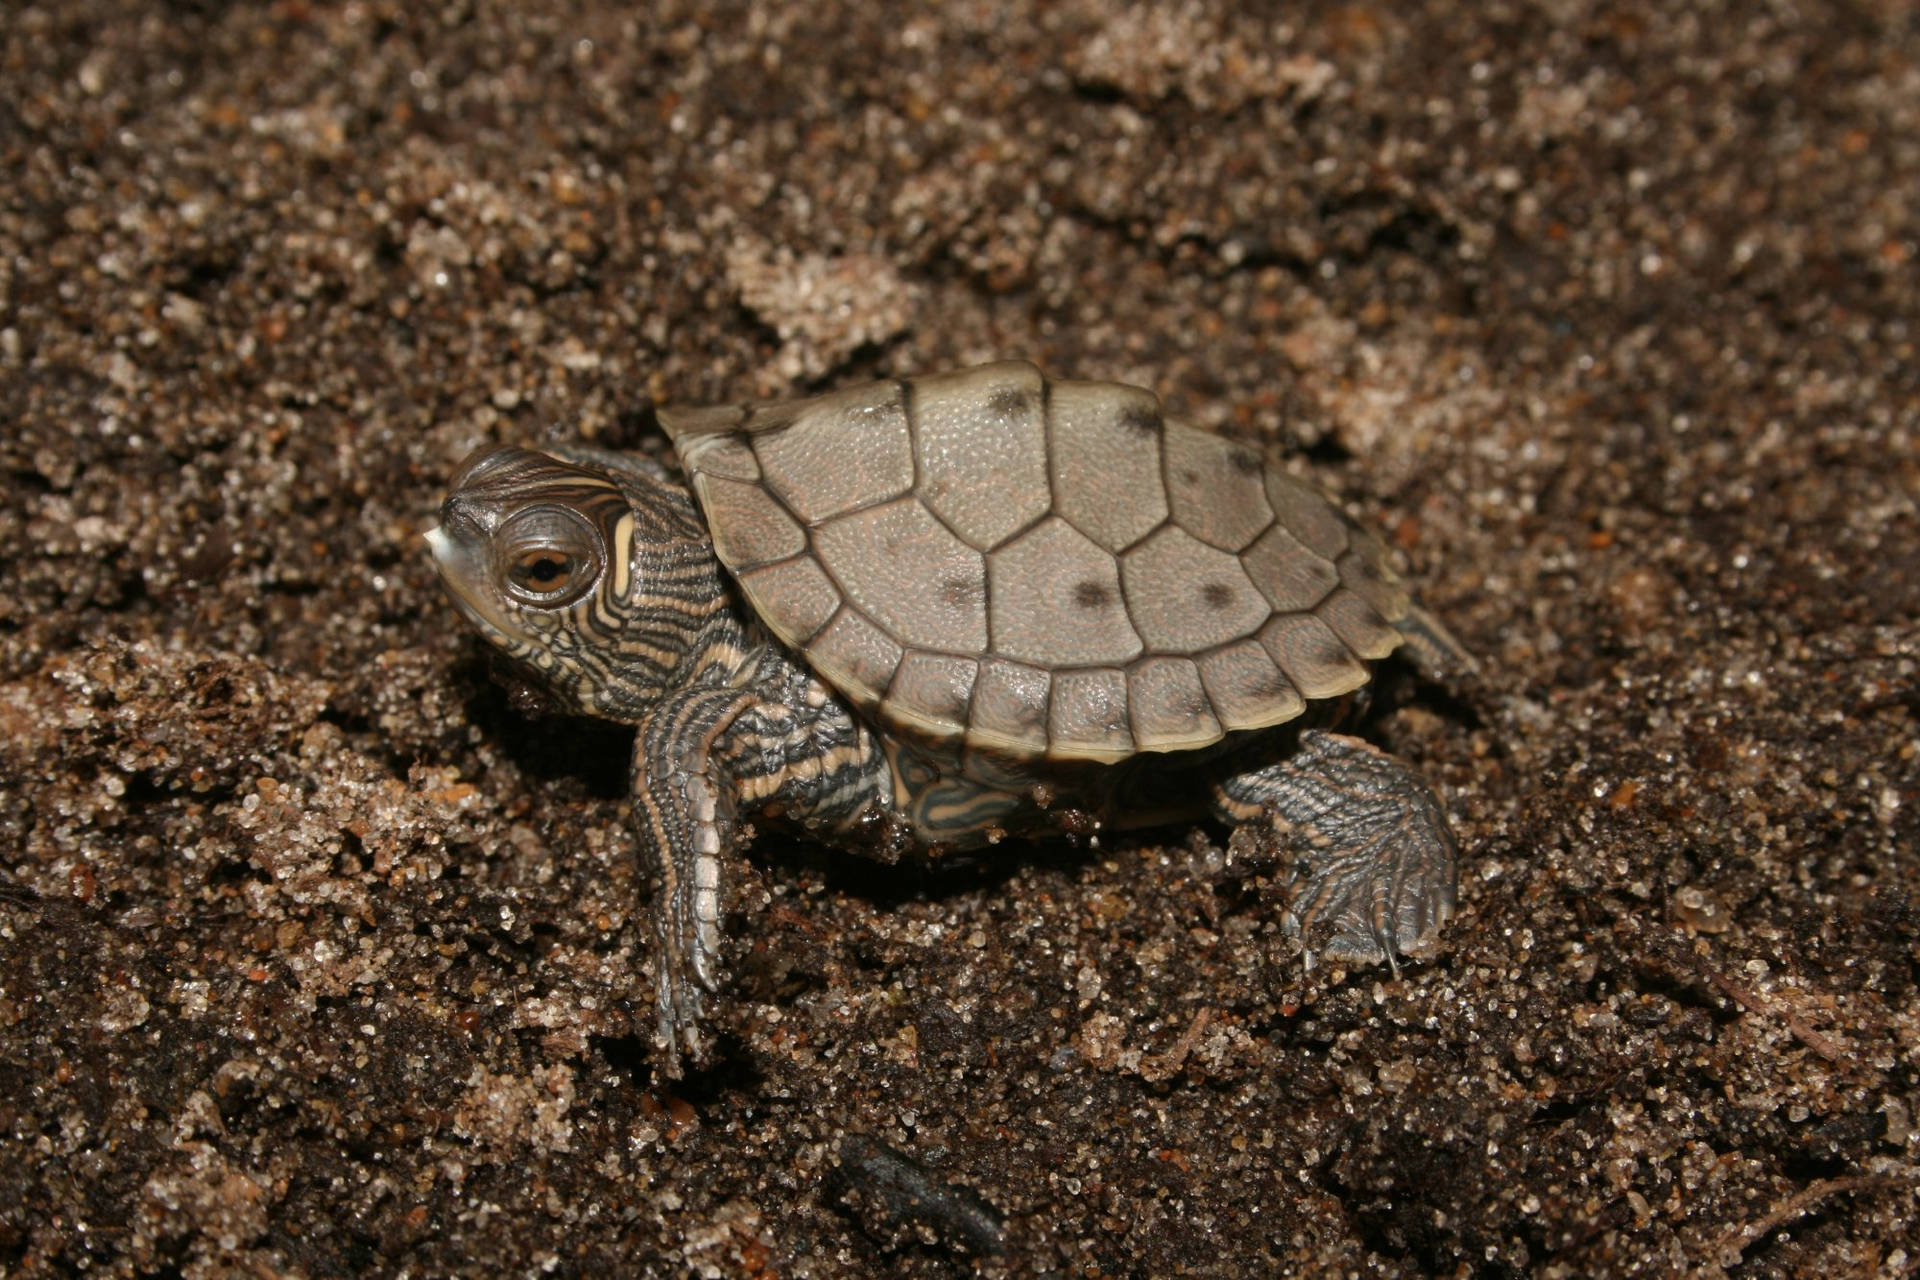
468	519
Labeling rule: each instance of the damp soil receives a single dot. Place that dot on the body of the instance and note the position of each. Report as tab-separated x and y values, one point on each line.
320	956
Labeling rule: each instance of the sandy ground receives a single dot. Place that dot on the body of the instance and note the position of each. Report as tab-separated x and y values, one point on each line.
318	957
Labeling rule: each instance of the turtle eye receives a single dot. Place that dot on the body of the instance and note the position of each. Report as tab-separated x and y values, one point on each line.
542	572
548	556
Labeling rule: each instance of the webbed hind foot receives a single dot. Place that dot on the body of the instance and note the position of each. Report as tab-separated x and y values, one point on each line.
1375	863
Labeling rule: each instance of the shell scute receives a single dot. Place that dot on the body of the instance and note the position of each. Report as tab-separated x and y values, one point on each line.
749	526
801	598
807	461
858	657
1215	488
1290	574
1055	600
1312	655
1245	687
1104	456
909	573
1307	514
932	691
1185	596
1087	718
1359	626
1169	706
980	445
1008	713
1363	569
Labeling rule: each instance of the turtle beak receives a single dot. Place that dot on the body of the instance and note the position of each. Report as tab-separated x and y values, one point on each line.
462	564
448	555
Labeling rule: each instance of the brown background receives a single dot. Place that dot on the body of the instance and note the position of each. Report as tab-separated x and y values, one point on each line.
317	957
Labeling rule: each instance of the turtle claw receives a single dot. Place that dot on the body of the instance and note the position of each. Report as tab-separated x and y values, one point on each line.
706	950
1384	947
1393	962
681	1006
687	971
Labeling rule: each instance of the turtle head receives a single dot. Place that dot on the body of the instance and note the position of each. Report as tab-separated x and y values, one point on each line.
540	554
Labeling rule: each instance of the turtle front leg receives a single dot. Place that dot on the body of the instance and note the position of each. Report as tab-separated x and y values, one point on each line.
1376	863
683	815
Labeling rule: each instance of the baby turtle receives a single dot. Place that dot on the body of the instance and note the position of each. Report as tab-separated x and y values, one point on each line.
926	614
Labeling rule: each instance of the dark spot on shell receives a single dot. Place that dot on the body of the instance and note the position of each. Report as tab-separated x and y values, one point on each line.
1140	418
952	703
1189	477
1276	688
960	589
1245	461
1009	403
1333	655
1218	595
1092	595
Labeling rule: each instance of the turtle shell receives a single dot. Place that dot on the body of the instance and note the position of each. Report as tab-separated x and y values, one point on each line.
999	561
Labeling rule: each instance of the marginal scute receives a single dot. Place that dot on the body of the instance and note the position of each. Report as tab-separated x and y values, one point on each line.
1359	626
856	656
1104	452
908	573
1009	710
978	438
1214	487
794	597
842	451
1364	569
1055	600
1185	596
1246	689
931	692
685	424
1087	717
749	528
1289	574
1308	514
1168	706
1315	660
721	455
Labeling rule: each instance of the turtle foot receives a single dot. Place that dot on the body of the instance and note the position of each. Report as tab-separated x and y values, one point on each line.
1374	865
